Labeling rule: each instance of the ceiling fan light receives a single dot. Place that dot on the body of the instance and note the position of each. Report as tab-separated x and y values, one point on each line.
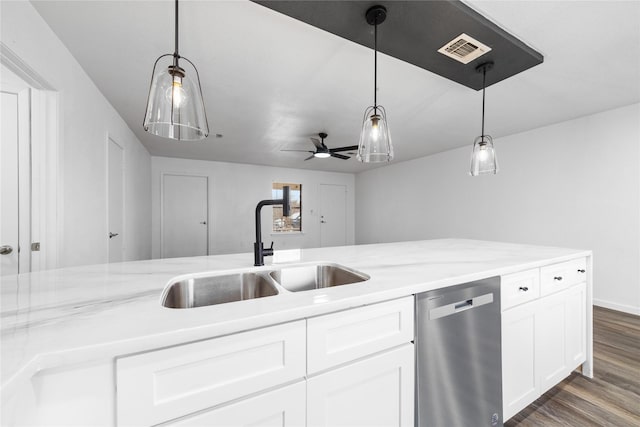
321	155
483	158
375	138
175	108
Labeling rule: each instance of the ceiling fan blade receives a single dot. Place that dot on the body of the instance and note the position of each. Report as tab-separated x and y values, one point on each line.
317	143
301	151
349	148
340	156
310	157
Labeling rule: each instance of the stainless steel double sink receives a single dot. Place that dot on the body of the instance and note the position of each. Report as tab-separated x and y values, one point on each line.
201	291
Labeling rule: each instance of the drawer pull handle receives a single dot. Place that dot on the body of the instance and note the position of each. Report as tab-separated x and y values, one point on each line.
524	288
558	278
580	270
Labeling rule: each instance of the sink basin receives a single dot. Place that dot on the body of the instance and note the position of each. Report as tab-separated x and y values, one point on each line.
308	277
201	291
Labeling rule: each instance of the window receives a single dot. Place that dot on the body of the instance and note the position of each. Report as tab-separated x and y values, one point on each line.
292	223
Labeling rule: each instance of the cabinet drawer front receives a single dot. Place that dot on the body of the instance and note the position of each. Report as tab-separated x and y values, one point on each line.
520	287
162	385
342	337
556	277
284	407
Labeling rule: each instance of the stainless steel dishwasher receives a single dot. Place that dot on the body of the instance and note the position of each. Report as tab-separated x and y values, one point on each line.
458	356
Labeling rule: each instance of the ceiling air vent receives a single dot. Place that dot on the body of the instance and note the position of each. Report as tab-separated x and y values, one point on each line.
464	49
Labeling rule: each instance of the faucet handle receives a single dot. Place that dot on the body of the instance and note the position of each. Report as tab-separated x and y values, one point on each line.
268	251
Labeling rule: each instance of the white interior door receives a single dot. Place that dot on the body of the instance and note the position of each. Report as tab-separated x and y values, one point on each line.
9	220
116	201
15	176
333	215
185	227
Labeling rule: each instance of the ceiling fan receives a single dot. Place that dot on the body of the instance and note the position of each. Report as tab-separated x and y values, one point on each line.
322	151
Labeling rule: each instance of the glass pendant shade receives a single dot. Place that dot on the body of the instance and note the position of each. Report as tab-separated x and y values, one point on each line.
483	157
175	108
375	139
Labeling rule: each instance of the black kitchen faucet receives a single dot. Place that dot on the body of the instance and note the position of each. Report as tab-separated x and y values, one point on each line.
259	251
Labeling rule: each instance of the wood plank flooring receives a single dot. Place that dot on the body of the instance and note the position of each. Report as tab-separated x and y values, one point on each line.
612	397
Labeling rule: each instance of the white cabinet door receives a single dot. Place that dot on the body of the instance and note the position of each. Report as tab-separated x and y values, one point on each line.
519	385
576	336
284	407
377	391
551	341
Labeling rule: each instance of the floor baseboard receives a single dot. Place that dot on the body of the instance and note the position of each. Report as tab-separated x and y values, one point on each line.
618	307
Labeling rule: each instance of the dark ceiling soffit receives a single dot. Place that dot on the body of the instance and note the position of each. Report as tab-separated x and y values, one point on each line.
415	30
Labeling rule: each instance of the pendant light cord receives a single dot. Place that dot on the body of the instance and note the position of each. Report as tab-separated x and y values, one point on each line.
175	53
484	77
375	68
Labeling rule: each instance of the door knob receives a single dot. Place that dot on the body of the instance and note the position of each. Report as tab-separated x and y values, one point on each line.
5	250
112	235
203	222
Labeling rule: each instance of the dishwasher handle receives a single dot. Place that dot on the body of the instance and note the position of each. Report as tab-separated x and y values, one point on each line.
460	306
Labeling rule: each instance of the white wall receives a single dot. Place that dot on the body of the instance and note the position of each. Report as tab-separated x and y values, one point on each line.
87	119
235	190
573	184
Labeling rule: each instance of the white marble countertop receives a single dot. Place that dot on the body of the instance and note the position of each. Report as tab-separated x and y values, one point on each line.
67	316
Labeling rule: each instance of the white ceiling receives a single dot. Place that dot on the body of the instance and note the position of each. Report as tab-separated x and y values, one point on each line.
271	82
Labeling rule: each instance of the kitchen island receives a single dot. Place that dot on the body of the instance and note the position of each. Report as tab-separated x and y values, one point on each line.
69	335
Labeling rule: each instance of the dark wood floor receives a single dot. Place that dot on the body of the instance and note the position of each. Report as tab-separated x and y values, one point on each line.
612	397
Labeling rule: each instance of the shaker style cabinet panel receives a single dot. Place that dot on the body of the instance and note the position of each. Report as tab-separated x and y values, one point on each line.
341	337
284	407
576	344
519	288
377	391
162	385
519	384
551	341
556	277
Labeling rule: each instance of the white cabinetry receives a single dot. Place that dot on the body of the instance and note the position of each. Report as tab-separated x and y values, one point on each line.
576	327
543	338
162	385
373	384
356	366
519	384
348	335
377	391
284	407
550	339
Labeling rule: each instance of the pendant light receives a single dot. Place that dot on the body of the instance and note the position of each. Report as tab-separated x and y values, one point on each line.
483	157
375	138
175	108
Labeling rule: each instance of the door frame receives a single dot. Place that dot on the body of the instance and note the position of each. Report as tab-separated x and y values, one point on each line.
46	226
209	200
110	138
